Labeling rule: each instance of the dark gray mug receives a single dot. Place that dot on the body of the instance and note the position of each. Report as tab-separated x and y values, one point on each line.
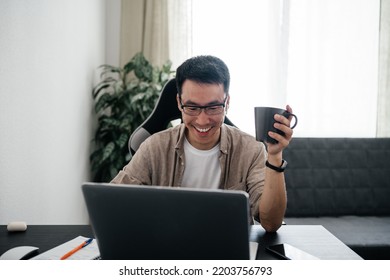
264	122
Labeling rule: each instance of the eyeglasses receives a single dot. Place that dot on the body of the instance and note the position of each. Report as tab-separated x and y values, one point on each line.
193	110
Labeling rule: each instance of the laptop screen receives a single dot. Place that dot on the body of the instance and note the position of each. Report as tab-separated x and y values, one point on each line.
151	222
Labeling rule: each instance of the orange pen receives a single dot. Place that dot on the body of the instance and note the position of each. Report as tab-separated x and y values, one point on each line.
71	252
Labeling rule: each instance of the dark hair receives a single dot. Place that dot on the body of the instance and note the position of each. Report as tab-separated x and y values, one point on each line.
205	69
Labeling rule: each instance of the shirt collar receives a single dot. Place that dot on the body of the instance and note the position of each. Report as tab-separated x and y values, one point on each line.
223	144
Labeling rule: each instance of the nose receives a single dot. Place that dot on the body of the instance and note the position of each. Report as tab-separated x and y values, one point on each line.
203	118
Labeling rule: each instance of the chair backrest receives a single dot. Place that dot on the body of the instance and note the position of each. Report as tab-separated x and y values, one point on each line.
164	112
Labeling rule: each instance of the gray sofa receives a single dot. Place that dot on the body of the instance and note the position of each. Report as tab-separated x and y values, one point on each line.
344	185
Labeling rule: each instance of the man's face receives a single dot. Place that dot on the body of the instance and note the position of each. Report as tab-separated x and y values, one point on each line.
203	131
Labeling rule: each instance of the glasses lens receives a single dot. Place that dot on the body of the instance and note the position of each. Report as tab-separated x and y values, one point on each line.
192	111
214	110
195	111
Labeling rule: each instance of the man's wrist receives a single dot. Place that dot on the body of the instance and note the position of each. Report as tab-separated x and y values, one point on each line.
277	168
276	160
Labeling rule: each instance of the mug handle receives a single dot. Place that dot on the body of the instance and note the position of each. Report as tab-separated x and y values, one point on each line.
288	114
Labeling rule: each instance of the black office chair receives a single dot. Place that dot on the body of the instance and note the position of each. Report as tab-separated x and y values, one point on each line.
163	113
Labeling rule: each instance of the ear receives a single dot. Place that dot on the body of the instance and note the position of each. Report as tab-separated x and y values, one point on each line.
227	103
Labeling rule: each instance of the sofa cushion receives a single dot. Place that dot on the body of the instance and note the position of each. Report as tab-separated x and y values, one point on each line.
338	176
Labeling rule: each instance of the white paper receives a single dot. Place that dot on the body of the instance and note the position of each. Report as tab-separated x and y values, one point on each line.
253	250
89	252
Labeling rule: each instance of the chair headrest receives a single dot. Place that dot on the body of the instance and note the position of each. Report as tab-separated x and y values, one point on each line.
165	109
163	113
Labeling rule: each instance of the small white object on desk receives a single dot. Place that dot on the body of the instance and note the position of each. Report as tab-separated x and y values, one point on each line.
17	226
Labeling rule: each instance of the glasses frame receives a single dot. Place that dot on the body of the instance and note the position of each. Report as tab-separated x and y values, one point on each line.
202	108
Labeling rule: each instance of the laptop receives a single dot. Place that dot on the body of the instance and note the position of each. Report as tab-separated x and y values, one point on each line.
164	223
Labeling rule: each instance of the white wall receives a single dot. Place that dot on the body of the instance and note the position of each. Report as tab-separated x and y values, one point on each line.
113	31
49	52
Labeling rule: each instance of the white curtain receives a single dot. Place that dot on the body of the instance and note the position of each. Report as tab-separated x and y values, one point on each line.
321	57
246	34
383	127
144	28
132	29
161	29
180	30
333	66
156	39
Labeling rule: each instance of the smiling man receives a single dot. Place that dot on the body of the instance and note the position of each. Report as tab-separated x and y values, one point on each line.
203	152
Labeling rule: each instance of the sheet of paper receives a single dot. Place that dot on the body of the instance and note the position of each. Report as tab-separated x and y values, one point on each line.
253	249
89	252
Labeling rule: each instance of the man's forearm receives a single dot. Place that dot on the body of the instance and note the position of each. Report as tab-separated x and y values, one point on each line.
273	201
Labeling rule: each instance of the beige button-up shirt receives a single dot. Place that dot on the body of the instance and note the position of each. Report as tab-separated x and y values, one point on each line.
159	161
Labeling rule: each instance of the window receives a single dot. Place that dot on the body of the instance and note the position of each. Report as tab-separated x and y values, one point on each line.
321	57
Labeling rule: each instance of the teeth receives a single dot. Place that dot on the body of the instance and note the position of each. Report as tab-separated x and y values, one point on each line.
203	129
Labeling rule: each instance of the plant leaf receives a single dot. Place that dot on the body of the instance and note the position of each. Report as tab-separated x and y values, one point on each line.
122	141
103	102
107	151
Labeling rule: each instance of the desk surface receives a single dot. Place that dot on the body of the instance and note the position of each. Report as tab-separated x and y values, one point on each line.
315	240
44	237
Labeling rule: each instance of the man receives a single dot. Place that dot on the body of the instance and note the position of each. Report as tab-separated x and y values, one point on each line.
204	152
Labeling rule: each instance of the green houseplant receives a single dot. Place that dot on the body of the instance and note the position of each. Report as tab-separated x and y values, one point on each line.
123	98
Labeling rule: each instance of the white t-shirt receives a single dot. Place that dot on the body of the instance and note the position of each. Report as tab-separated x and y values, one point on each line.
202	169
